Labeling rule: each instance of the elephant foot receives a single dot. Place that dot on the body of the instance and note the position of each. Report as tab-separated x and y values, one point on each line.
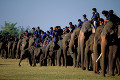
103	75
34	65
111	75
19	65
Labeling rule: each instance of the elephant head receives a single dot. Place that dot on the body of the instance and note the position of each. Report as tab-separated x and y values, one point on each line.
25	43
73	40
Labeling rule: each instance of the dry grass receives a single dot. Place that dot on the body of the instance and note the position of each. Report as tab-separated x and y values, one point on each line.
9	70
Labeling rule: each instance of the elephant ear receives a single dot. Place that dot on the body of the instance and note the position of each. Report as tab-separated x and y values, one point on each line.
93	29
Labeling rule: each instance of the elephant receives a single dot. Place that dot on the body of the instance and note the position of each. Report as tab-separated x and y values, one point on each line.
59	52
28	53
84	34
89	52
73	45
97	48
3	48
10	43
18	49
109	39
50	53
14	48
65	41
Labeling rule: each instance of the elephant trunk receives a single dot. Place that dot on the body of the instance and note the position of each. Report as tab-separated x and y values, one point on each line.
71	45
95	56
82	38
103	47
86	57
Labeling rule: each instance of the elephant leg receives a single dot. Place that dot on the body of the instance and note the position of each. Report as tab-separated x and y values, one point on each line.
30	61
79	53
74	59
91	64
118	65
103	48
86	57
20	61
58	57
34	60
65	57
82	49
95	57
8	52
110	60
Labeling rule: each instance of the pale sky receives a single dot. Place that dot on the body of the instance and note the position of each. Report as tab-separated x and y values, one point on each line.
50	13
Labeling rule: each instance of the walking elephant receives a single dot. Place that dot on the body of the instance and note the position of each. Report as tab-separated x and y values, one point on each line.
28	53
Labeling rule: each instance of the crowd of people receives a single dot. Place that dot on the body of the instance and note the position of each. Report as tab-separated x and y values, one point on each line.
56	32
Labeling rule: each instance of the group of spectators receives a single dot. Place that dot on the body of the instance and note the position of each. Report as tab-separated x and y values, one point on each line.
55	33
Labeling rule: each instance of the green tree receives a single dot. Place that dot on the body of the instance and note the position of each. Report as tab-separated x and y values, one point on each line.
9	29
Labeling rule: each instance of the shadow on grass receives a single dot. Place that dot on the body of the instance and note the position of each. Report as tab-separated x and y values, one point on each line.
4	64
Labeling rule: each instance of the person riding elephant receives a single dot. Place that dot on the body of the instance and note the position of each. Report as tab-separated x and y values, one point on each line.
89	58
74	44
84	34
65	41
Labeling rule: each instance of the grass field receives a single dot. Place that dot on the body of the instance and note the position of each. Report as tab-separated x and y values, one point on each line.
9	70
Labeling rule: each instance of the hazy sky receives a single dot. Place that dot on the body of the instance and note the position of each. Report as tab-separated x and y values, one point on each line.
47	13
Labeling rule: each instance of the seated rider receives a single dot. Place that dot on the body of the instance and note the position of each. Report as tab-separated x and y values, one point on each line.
37	41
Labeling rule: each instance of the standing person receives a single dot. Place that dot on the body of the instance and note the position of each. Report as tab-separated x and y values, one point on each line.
84	17
80	23
95	17
37	41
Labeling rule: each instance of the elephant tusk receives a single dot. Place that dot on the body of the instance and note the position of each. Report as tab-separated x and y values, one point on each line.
98	57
